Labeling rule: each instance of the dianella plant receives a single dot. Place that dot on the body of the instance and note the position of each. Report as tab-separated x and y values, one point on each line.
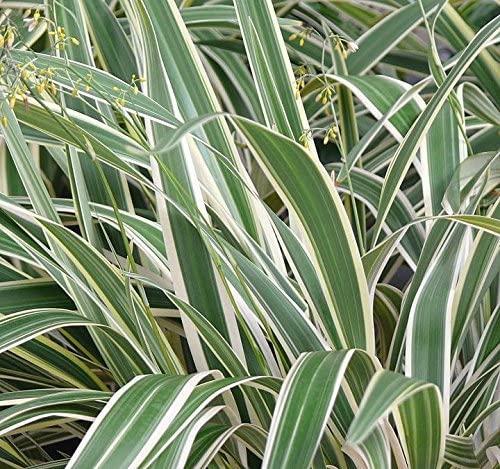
249	233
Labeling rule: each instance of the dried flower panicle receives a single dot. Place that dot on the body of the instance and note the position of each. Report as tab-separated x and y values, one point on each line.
25	79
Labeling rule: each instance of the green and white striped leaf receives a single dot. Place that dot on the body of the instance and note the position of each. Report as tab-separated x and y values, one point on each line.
418	413
303	407
148	404
285	163
406	151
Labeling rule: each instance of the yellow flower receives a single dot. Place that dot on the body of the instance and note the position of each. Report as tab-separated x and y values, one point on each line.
304	138
301	36
9	38
324	95
40	87
330	135
299	86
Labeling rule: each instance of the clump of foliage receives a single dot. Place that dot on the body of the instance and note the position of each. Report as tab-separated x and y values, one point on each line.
249	233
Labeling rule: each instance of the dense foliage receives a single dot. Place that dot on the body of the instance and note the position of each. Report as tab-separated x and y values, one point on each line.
245	233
